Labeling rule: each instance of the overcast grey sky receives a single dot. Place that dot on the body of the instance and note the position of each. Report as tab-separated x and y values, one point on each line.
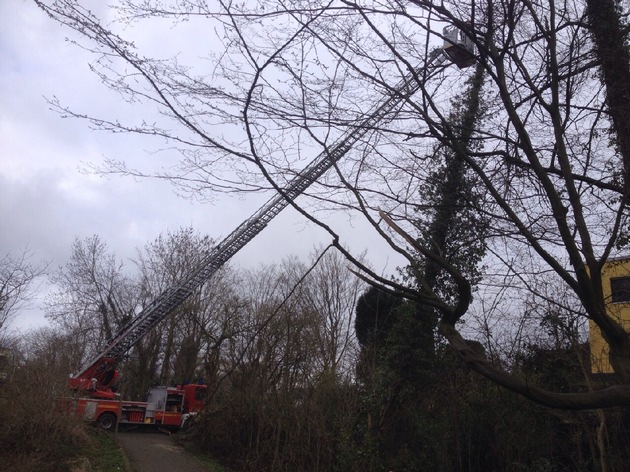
46	201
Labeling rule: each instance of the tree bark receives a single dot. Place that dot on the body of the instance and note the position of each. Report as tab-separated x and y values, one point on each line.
611	48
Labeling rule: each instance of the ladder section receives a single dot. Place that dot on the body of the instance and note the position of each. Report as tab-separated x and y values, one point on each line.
170	299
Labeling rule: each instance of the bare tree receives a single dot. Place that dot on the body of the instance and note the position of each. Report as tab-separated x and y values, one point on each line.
282	364
17	276
330	294
94	295
177	347
550	145
33	422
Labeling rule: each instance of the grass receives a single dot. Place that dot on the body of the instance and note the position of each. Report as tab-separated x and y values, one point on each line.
104	453
96	452
207	462
210	464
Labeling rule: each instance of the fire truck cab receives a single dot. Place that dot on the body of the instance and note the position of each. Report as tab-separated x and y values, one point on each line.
166	407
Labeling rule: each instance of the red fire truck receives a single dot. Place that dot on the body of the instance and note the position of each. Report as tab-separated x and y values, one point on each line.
95	399
166	407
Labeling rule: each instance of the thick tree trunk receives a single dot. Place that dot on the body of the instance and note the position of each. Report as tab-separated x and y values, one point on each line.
618	395
611	47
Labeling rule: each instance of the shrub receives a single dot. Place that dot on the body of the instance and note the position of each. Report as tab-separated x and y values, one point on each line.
35	432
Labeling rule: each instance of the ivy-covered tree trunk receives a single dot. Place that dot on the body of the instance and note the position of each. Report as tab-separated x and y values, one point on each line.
401	365
609	35
456	231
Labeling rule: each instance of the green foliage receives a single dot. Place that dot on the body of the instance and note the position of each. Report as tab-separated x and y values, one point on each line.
374	316
396	423
104	453
420	409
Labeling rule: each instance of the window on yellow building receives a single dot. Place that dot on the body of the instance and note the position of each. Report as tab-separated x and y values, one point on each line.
620	289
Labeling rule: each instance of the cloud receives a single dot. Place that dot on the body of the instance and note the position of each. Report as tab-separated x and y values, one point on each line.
46	202
32	215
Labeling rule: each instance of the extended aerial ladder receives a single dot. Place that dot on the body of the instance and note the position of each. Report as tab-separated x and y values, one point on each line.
98	374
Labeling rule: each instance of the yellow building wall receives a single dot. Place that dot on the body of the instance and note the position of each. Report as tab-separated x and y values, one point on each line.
620	311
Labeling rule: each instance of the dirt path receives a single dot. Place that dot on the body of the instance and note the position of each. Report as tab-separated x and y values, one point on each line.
157	452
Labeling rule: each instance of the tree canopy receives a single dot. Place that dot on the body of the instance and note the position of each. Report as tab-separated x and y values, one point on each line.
547	150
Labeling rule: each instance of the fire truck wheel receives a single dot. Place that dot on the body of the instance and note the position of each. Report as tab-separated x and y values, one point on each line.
107	421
